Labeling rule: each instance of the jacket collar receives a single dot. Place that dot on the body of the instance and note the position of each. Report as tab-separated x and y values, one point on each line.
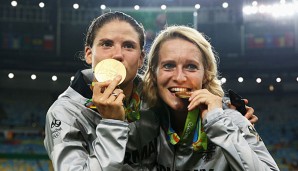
82	81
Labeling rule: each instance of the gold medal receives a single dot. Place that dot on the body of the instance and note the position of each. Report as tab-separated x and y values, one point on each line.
108	69
183	94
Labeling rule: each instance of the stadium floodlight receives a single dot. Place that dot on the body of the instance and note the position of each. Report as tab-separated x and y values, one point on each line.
54	78
249	10
41	4
281	10
223	80
76	6
33	77
254	3
225	5
10	75
136	7
14	3
275	10
163	7
278	79
103	7
282	1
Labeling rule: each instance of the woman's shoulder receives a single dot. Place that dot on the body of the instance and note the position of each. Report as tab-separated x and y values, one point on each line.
237	117
69	106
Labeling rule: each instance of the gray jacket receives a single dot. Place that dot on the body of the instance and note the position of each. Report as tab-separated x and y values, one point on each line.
233	144
78	139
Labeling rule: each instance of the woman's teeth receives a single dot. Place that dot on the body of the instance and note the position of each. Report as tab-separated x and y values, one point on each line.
178	89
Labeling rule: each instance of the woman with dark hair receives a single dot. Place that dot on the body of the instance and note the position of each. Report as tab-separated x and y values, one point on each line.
90	126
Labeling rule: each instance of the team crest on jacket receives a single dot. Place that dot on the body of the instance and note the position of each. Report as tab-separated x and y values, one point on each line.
55	123
55	128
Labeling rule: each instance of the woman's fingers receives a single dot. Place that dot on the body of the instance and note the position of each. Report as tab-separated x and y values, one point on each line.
204	97
109	100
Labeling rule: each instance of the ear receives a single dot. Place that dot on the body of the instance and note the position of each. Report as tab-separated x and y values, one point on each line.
88	55
142	57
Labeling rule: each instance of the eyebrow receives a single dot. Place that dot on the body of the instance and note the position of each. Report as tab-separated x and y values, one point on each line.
104	39
187	61
167	61
110	40
130	41
194	60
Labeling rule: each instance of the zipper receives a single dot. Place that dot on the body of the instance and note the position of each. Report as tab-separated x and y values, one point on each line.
174	158
139	144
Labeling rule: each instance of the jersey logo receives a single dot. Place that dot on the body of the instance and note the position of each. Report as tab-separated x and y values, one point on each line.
55	123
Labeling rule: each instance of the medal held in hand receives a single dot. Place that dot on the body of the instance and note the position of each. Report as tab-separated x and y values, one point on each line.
108	69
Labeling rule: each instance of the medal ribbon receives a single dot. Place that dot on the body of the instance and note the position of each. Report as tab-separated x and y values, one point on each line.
192	123
132	110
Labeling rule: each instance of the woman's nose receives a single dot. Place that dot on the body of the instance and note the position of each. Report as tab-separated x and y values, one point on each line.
179	75
118	53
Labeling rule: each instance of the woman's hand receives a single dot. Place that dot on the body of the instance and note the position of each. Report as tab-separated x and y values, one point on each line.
109	100
249	112
205	100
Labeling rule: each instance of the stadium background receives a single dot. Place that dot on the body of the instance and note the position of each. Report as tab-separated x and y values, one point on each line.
40	49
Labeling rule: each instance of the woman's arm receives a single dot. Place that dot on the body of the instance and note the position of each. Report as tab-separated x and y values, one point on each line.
69	150
240	143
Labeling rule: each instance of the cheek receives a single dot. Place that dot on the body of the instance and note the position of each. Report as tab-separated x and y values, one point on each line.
159	88
133	63
159	77
199	85
159	80
94	62
96	58
93	57
198	81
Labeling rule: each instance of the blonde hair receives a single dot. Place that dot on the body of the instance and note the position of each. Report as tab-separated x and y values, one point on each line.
210	59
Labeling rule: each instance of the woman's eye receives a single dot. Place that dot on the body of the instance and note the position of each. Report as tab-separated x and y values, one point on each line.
106	44
129	46
168	66
192	67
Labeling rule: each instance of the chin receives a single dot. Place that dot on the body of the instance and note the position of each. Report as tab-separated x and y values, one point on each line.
176	104
172	101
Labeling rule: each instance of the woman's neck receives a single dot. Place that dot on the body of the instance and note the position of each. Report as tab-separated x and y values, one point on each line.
178	119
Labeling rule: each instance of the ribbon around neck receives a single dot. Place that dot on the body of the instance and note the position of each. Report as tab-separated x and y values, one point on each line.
190	124
193	123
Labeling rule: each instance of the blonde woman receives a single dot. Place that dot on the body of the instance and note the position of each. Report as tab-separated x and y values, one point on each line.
197	132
